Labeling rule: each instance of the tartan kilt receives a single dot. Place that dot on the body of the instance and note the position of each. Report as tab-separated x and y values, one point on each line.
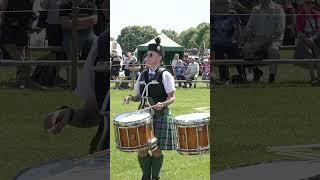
164	130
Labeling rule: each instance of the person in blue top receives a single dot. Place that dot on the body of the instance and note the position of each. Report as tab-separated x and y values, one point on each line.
225	33
180	71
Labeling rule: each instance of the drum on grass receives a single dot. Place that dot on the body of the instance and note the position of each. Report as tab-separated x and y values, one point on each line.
134	131
95	166
192	133
275	170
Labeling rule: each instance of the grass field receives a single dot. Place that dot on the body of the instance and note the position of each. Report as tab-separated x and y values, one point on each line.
176	166
23	142
250	119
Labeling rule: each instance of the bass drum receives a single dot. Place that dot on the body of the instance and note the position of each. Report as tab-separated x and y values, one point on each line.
91	167
274	170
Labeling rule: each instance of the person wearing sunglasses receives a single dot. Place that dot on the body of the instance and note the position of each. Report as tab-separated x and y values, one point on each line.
160	96
308	28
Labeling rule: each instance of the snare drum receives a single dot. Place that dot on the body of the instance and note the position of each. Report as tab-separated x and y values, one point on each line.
192	133
275	170
134	131
95	166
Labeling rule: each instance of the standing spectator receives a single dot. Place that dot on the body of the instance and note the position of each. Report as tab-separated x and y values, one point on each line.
115	67
225	36
87	19
126	64
179	72
192	72
134	68
125	68
174	62
14	34
244	8
53	27
205	68
102	17
265	34
308	28
289	33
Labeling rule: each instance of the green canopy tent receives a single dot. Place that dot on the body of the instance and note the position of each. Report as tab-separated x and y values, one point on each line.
169	46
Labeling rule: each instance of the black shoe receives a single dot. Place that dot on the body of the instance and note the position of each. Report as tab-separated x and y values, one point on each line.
272	78
190	85
194	86
257	74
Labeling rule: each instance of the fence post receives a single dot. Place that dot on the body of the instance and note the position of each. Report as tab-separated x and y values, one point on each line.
132	83
74	46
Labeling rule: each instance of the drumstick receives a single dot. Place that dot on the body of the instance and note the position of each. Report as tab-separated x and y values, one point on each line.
145	109
76	161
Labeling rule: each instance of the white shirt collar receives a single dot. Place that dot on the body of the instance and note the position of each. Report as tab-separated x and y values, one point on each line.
153	72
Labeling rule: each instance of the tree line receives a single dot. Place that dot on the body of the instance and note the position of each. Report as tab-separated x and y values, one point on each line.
194	37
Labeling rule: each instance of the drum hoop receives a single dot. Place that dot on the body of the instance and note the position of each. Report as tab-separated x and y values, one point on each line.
194	151
133	124
131	149
205	118
23	171
192	123
262	162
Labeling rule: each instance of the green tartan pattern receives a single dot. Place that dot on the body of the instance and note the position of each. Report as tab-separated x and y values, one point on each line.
164	130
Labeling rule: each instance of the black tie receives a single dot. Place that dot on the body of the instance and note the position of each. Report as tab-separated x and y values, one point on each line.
151	75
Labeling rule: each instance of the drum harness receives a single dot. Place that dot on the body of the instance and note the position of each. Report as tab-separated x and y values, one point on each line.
145	101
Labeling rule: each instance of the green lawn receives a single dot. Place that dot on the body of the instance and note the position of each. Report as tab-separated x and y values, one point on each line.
125	165
23	142
248	120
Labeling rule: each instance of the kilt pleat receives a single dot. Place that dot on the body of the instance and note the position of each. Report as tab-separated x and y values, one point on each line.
164	130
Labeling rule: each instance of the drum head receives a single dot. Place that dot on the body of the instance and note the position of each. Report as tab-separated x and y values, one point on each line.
192	119
94	167
281	170
132	118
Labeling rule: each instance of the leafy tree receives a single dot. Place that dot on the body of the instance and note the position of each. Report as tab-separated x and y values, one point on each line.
171	34
132	36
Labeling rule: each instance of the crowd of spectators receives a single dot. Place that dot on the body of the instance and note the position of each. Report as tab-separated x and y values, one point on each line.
54	16
252	30
184	70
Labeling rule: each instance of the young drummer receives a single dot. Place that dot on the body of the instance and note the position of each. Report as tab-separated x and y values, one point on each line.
160	97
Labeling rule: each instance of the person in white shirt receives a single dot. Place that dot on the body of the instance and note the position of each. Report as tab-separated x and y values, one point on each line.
192	72
160	96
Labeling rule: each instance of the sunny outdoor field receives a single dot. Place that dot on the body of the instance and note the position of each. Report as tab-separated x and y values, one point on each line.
125	165
23	142
252	117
